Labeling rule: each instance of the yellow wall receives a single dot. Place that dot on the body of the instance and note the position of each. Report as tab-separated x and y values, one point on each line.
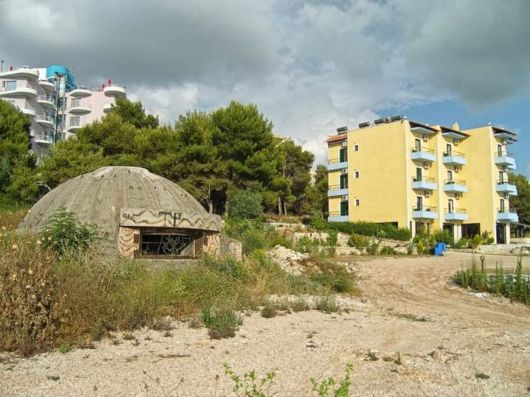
386	168
381	186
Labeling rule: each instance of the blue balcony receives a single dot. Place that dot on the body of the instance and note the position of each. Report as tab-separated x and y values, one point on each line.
424	183
424	212
507	216
455	186
505	187
338	218
455	215
335	191
506	160
334	165
423	154
454	158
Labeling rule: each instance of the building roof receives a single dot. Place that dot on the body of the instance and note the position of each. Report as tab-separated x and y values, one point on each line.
337	138
98	197
452	133
510	136
422	128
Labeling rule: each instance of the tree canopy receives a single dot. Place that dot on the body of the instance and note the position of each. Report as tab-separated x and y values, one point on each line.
521	202
212	155
16	161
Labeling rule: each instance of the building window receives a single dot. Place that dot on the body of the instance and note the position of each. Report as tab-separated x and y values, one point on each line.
448	149
419	203
356	174
450	206
449	176
165	244
357	202
355	148
417	145
499	150
501	177
502	206
74	121
9	85
419	174
343	208
344	181
343	155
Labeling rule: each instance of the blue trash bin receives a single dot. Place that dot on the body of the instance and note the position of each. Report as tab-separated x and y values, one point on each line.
439	248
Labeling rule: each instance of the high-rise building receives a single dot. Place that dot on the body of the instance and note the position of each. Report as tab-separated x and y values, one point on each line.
56	106
418	176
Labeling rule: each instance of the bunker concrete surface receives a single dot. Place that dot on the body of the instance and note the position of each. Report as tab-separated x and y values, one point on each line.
137	214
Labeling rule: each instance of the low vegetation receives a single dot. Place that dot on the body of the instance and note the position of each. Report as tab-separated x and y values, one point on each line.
382	230
515	286
63	292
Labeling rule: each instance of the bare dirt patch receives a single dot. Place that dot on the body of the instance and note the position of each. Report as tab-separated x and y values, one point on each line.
411	333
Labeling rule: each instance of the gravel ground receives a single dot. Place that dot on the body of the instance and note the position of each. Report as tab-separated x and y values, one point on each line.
410	333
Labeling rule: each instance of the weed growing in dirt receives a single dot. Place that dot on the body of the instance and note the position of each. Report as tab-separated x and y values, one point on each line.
327	304
269	310
514	286
249	384
333	388
221	323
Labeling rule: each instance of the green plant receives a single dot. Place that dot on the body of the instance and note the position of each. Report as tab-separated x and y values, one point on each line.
269	310
245	205
249	384
373	248
358	241
221	323
443	236
63	232
325	387
463	243
476	241
300	305
65	348
388	251
327	304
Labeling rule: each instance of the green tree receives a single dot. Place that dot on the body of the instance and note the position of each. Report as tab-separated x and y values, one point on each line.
16	161
245	205
318	191
134	113
521	202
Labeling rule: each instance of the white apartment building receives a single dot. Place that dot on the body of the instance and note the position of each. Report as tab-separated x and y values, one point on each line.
56	106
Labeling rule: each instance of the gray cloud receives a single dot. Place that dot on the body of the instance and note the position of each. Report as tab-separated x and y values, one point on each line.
309	65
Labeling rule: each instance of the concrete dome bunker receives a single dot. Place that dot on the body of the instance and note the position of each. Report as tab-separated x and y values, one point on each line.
139	215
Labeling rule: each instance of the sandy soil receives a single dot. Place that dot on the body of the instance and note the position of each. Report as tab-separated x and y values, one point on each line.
444	336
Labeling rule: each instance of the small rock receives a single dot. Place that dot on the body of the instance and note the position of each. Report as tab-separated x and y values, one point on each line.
53	377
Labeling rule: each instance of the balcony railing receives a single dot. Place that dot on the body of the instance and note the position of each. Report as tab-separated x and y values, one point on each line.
335	164
455	182
507	215
47	98
455	211
454	153
455	214
503	186
423	179
423	154
424	208
337	190
424	183
44	117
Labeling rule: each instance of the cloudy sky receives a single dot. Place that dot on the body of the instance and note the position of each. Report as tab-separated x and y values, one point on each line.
310	66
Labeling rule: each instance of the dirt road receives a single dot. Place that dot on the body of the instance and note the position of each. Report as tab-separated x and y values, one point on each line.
411	333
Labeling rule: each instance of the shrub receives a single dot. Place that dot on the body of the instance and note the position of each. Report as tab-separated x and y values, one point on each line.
221	323
63	232
358	241
385	230
327	305
269	310
476	241
373	248
245	205
388	251
462	243
443	236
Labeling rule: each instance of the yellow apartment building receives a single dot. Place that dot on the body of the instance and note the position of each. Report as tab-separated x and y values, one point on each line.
419	176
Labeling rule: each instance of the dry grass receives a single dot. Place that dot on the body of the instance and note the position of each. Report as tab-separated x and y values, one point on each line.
10	219
48	301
